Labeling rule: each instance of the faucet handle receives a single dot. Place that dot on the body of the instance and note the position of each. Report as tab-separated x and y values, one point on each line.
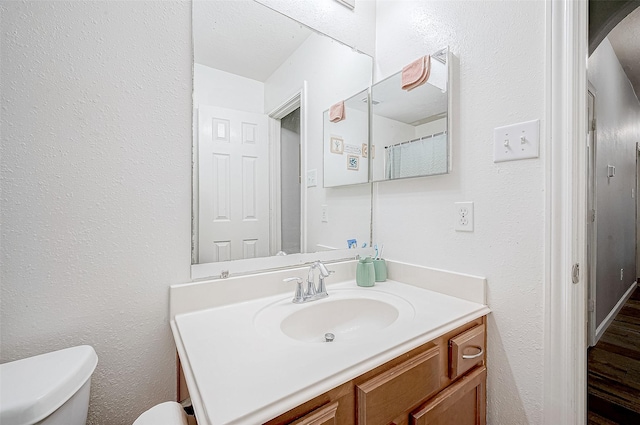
298	297
322	289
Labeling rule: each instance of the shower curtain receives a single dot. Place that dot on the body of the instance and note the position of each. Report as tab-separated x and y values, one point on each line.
420	157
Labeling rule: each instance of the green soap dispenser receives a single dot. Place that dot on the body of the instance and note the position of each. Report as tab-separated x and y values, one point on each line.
365	272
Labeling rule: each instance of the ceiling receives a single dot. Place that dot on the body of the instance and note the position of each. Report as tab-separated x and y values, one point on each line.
264	37
222	29
625	39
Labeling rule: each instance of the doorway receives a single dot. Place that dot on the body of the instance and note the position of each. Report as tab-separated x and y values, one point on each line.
287	140
290	183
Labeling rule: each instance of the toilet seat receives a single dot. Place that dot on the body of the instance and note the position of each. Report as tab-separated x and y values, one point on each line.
168	413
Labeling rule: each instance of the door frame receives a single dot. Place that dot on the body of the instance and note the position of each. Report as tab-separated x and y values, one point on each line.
592	220
565	342
297	100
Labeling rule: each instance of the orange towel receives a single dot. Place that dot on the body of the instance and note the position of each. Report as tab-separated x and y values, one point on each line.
336	112
416	73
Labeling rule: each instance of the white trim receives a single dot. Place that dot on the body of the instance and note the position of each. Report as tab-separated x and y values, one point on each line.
592	227
263	264
602	328
565	213
195	188
303	167
275	197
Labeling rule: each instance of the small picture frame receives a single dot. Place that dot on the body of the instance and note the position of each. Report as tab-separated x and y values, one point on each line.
337	145
353	162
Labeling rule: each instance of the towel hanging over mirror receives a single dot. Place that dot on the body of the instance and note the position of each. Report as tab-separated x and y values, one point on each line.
336	112
416	73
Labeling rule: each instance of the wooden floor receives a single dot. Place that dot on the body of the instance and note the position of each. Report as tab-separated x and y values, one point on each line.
614	370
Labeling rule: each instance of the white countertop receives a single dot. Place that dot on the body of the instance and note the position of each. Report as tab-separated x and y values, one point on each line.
239	374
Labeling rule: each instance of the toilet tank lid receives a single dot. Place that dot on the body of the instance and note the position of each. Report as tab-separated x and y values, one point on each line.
33	388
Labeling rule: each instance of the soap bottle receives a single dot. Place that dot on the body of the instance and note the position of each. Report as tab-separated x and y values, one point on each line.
365	273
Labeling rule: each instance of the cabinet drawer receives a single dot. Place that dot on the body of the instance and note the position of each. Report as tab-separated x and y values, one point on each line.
462	403
325	415
466	351
389	394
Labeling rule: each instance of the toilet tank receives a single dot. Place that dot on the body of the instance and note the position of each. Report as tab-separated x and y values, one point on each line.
51	388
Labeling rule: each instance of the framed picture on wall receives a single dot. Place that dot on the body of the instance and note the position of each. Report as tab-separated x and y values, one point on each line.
337	145
353	162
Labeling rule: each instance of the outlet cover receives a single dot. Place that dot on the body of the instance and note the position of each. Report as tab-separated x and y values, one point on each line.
516	141
463	217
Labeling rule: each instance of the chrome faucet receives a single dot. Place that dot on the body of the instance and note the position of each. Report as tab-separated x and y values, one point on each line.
311	293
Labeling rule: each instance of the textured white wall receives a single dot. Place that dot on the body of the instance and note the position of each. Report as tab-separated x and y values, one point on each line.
618	131
96	192
500	48
96	172
218	88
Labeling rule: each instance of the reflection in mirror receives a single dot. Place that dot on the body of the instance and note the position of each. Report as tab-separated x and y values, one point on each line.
261	82
410	128
346	143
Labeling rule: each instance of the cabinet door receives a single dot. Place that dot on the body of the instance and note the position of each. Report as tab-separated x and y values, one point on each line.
463	403
466	351
399	389
325	415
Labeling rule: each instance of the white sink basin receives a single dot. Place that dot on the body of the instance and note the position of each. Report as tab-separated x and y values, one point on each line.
348	314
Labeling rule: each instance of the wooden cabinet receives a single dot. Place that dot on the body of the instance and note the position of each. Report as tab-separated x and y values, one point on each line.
325	415
466	351
387	395
462	403
441	382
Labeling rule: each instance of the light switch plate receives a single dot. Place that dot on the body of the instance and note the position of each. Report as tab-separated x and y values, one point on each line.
516	141
312	178
324	213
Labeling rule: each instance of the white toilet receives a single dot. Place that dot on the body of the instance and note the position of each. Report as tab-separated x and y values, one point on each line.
168	413
53	389
49	389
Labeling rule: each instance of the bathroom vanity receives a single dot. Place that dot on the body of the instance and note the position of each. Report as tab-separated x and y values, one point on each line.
405	351
430	384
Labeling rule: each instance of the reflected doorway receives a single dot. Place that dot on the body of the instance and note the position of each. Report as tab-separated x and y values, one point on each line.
290	183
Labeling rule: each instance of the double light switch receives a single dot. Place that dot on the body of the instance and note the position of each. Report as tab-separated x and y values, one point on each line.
516	141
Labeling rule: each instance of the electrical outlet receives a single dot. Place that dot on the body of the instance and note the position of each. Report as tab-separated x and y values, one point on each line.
464	217
324	213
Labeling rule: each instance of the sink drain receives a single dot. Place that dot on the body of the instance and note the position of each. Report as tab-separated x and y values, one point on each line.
329	337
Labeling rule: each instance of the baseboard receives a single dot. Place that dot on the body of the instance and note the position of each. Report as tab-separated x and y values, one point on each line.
602	328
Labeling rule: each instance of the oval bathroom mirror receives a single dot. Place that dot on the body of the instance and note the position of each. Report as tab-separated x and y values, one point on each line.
410	129
261	83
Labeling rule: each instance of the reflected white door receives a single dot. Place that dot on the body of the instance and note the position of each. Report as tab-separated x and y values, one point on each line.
233	163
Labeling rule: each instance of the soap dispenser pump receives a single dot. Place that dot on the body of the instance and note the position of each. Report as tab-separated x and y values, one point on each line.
365	272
